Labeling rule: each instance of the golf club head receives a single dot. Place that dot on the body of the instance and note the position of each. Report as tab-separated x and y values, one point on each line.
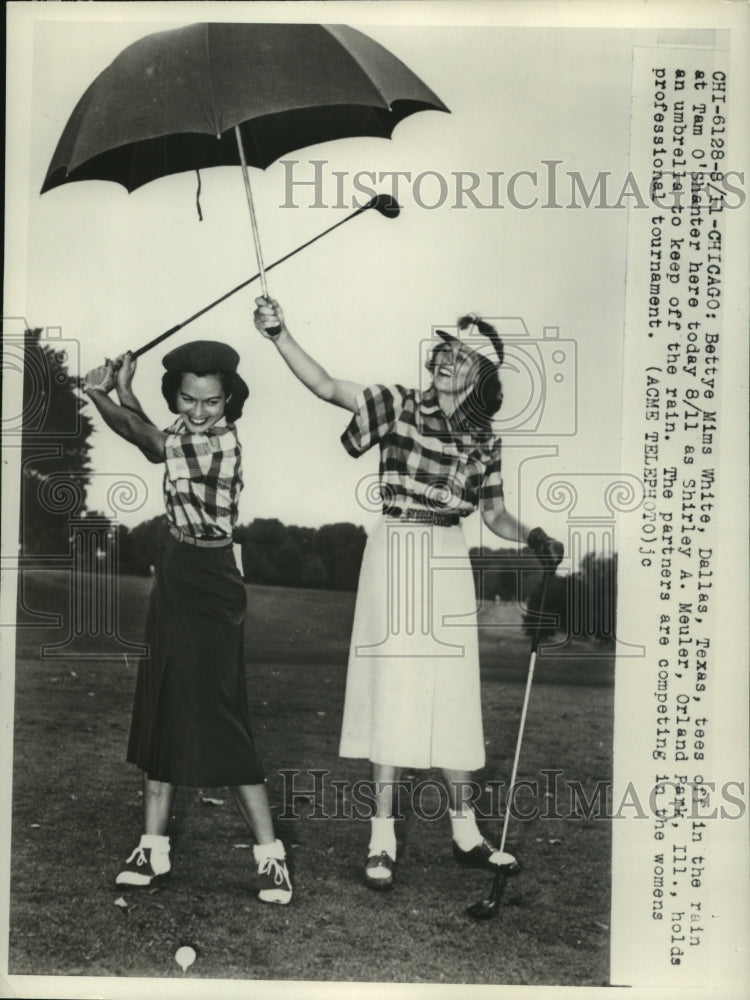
386	205
486	909
510	865
512	868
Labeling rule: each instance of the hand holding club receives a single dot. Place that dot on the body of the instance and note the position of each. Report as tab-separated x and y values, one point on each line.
125	366
548	550
101	379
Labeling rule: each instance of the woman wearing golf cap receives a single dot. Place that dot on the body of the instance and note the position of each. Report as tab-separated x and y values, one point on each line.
412	691
190	722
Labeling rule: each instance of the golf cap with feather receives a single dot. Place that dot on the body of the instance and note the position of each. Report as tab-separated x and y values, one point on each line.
202	356
483	328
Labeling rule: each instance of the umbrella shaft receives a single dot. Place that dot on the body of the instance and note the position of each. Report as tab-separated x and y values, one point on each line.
251	207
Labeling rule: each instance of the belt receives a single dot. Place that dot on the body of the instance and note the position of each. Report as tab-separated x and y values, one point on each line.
201	543
420	515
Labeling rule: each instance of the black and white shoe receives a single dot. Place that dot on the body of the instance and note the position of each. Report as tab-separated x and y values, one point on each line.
145	865
274	883
378	873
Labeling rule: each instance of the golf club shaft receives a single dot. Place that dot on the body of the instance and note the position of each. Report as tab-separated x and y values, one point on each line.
244	284
487	908
495	891
524	709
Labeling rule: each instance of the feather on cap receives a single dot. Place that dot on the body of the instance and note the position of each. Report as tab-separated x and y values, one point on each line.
487	330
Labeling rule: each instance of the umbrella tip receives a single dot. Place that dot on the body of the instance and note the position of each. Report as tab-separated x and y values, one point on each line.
386	205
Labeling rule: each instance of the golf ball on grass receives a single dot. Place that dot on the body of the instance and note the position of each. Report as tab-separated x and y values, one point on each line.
185	956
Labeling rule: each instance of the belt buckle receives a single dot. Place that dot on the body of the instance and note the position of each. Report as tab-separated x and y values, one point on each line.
421	515
418	515
182	536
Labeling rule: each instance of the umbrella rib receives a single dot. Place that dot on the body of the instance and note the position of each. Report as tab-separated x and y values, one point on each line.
217	130
331	29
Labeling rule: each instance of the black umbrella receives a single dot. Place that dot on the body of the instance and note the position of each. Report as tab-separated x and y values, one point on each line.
214	94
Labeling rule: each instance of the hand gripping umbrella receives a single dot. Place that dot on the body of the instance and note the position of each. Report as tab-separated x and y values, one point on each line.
485	909
215	94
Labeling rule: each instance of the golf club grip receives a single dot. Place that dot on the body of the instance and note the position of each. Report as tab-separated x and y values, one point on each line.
273	332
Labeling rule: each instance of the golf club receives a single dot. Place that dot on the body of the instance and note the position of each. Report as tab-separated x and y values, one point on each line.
382	203
485	909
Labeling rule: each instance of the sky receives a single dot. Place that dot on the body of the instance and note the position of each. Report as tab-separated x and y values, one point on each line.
111	270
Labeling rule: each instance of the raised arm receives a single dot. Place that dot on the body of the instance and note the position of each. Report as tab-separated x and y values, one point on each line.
98	383
269	316
125	367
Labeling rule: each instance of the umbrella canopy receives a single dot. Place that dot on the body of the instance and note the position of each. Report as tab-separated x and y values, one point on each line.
171	101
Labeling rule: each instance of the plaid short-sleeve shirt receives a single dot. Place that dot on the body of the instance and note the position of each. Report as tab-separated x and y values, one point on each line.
203	479
425	458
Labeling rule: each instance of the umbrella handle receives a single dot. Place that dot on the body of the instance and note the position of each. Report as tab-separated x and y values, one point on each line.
273	331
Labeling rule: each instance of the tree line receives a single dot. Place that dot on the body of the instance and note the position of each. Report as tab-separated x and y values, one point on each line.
56	446
272	553
582	605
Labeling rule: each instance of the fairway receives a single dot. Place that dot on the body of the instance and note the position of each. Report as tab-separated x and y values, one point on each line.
76	814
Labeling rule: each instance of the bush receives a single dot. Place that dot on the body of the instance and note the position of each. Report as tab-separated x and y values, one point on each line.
585	602
326	558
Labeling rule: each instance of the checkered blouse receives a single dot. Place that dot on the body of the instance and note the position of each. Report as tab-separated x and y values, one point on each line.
203	479
426	458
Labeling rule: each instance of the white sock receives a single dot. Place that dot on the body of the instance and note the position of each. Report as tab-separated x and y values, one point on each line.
263	851
155	842
382	836
464	828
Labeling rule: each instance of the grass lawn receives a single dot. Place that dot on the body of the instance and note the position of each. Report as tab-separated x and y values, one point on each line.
76	815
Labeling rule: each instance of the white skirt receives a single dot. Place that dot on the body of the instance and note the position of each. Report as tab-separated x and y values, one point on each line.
412	689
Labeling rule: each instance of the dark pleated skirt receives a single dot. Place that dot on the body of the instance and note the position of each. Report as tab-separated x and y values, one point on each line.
190	722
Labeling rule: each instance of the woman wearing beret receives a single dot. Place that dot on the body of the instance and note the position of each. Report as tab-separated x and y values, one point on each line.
190	722
412	691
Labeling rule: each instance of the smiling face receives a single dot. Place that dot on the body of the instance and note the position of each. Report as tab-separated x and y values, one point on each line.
454	369
200	401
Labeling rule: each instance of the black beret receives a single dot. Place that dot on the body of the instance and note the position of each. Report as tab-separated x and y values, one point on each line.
202	356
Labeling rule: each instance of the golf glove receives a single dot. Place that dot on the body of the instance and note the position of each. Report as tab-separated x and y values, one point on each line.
548	550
